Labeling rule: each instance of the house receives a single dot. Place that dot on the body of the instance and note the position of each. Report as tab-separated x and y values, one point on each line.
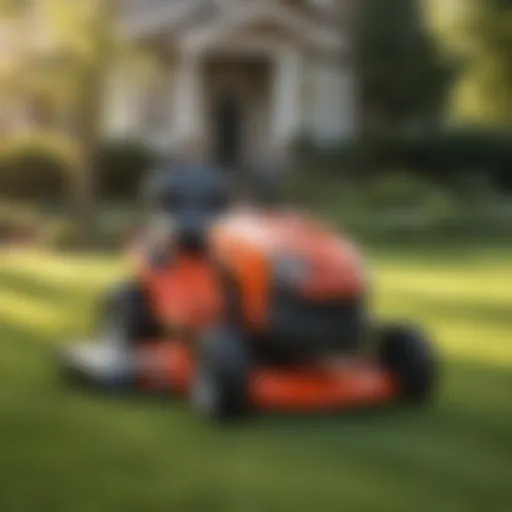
237	80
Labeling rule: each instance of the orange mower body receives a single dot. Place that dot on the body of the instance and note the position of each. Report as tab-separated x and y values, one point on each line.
274	317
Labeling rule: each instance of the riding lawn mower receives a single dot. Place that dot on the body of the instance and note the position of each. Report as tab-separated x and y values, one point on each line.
240	308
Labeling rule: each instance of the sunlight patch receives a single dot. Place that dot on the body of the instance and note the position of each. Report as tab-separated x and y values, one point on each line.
23	310
68	270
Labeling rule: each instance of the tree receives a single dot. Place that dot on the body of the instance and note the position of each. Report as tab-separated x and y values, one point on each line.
13	59
82	50
63	54
403	76
484	93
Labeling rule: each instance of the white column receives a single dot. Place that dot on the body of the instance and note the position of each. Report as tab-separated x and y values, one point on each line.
161	115
188	101
122	104
286	103
334	100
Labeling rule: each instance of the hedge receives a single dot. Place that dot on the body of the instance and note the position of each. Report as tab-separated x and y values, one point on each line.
121	166
40	169
447	156
35	168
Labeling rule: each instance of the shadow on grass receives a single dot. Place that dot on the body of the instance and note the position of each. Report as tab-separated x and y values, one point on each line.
464	391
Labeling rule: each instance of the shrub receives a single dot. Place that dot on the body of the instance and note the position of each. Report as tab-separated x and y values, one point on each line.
35	168
450	157
59	233
398	192
329	158
402	206
19	223
118	226
39	168
121	168
453	154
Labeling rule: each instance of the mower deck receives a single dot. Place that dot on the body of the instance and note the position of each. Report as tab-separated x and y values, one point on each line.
347	384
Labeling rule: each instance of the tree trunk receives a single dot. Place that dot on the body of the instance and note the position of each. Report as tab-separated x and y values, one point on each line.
88	123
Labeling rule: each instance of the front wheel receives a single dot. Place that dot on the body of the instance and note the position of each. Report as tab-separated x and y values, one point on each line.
220	389
408	354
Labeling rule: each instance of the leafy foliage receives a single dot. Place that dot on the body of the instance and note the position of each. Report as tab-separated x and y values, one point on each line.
121	166
402	73
36	168
483	36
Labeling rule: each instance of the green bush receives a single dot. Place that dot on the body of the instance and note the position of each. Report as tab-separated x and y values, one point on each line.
325	159
404	206
59	233
453	154
397	192
121	166
19	223
39	168
450	157
34	168
117	226
36	226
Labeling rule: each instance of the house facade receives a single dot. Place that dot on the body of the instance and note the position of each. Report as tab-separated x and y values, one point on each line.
235	81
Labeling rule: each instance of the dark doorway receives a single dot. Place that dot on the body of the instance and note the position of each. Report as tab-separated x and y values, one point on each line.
228	131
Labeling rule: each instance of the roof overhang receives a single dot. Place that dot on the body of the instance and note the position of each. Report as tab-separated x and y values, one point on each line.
162	18
302	28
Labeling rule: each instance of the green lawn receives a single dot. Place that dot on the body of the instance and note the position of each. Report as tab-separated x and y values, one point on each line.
66	451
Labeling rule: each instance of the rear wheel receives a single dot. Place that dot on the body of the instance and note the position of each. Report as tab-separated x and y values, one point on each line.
125	320
126	316
220	387
407	352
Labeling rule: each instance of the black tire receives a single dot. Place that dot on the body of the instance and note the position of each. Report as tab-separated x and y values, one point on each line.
126	311
125	320
220	387
408	353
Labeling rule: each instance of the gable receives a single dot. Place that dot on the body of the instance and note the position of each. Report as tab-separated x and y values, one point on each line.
271	19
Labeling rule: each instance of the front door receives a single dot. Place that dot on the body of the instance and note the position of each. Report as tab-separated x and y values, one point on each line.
228	131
